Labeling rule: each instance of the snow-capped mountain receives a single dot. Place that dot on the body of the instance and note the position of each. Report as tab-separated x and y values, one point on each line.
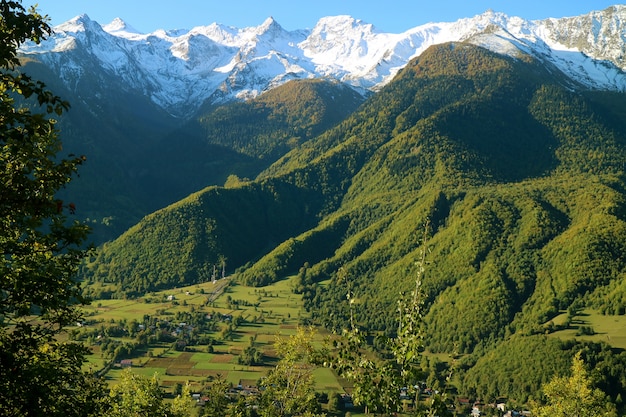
180	70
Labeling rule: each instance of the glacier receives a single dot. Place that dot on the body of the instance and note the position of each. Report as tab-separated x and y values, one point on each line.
181	70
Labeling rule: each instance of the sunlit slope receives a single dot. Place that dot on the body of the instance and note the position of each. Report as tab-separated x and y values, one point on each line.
519	178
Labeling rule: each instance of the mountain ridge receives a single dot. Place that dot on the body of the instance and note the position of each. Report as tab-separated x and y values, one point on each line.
180	70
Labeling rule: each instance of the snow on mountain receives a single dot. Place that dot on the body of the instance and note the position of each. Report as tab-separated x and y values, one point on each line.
120	28
181	69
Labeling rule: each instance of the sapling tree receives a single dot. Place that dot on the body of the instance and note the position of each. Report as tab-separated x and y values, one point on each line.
288	389
217	403
377	382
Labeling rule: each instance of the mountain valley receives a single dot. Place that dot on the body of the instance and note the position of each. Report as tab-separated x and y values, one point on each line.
272	155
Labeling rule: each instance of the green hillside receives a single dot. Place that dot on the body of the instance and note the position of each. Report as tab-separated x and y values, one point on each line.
183	243
244	138
141	159
520	179
280	119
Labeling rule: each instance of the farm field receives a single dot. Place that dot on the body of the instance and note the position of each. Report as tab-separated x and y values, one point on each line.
197	333
202	332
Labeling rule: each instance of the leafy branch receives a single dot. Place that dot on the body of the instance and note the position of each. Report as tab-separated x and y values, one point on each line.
378	382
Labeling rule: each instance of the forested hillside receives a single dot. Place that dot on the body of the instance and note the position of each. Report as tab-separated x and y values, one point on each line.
280	119
182	243
141	159
519	178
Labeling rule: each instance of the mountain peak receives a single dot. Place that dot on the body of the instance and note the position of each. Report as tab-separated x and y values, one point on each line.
79	23
270	25
118	25
340	23
238	63
270	21
490	17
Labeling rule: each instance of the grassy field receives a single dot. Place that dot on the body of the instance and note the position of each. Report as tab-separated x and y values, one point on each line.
608	329
264	314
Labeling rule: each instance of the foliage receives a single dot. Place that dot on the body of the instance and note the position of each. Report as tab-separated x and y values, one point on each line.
281	119
312	246
288	387
183	244
39	375
251	356
516	368
218	403
573	396
135	395
377	383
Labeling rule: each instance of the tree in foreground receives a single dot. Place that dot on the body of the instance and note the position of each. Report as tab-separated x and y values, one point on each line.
136	395
39	375
289	388
574	396
377	383
217	403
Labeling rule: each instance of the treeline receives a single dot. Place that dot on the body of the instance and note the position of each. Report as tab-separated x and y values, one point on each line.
519	367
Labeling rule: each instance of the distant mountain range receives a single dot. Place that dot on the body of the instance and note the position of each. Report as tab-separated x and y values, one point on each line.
182	70
146	107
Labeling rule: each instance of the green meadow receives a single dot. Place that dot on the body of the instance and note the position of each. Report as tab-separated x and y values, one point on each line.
609	329
255	317
262	314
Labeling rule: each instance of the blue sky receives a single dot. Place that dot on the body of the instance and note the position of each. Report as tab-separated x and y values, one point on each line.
387	15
